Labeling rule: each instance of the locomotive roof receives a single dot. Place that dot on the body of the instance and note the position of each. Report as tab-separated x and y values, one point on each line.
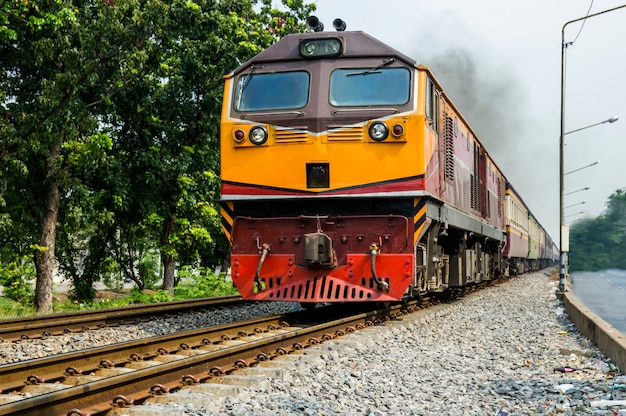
356	44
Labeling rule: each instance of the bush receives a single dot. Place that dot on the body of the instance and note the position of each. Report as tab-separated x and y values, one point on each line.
70	305
142	297
16	278
202	283
148	270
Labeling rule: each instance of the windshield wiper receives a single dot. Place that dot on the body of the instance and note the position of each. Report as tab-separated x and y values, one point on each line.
244	83
374	70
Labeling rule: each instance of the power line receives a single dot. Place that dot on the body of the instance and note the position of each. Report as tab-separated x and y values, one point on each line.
581	26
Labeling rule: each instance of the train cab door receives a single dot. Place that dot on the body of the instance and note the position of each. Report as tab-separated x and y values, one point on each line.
445	150
434	115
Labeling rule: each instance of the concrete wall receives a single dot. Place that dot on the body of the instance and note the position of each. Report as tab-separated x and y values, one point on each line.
605	336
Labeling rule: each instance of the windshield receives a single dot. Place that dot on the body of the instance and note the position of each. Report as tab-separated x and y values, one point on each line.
381	86
277	91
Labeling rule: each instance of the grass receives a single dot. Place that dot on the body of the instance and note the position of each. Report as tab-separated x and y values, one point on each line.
11	309
104	299
195	286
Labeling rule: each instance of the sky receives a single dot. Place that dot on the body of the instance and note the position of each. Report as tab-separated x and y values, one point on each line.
500	62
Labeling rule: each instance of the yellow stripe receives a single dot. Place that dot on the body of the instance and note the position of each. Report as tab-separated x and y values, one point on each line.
419	216
228	219
516	232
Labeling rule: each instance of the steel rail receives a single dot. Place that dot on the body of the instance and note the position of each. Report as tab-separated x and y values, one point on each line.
96	397
53	368
55	324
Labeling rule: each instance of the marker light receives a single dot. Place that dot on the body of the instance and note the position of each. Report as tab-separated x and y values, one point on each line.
397	130
258	135
239	136
319	48
379	131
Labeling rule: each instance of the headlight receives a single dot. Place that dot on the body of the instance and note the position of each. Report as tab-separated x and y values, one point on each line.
333	47
379	131
320	48
258	135
308	48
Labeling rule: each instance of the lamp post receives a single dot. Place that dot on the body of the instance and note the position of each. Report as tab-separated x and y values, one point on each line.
563	230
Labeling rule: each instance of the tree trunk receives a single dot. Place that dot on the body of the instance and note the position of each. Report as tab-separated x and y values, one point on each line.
169	260
169	266
45	254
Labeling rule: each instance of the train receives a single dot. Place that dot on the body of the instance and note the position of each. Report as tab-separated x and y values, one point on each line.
349	175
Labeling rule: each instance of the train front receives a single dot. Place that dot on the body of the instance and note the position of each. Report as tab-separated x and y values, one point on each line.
322	160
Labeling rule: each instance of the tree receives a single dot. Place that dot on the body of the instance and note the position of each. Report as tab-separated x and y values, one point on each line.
109	133
598	243
167	122
44	78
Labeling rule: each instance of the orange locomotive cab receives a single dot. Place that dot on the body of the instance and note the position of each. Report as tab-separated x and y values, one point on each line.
320	175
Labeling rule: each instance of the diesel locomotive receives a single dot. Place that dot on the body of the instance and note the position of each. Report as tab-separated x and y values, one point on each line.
348	175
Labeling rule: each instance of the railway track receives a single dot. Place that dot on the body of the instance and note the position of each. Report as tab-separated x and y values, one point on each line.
96	380
56	324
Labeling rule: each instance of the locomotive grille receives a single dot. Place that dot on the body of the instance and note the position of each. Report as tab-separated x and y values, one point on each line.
322	289
475	192
290	136
499	197
449	149
346	134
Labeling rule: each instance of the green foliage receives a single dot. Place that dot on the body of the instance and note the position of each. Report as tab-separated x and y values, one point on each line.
115	107
72	305
139	296
13	309
16	278
202	283
599	243
148	269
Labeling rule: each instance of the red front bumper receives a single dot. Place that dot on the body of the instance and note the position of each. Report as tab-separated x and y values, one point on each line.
286	274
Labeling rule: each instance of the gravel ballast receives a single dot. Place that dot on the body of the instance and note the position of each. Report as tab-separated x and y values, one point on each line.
11	352
506	350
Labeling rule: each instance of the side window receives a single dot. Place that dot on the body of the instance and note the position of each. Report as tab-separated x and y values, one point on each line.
432	105
429	99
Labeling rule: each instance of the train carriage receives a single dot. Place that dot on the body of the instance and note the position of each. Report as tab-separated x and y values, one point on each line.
551	253
534	237
542	244
349	175
516	248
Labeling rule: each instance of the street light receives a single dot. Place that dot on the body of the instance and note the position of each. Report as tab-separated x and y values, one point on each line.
586	188
584	167
608	120
563	230
573	205
576	213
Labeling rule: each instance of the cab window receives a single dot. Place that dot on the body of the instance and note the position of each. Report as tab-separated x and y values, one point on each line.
275	91
367	87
